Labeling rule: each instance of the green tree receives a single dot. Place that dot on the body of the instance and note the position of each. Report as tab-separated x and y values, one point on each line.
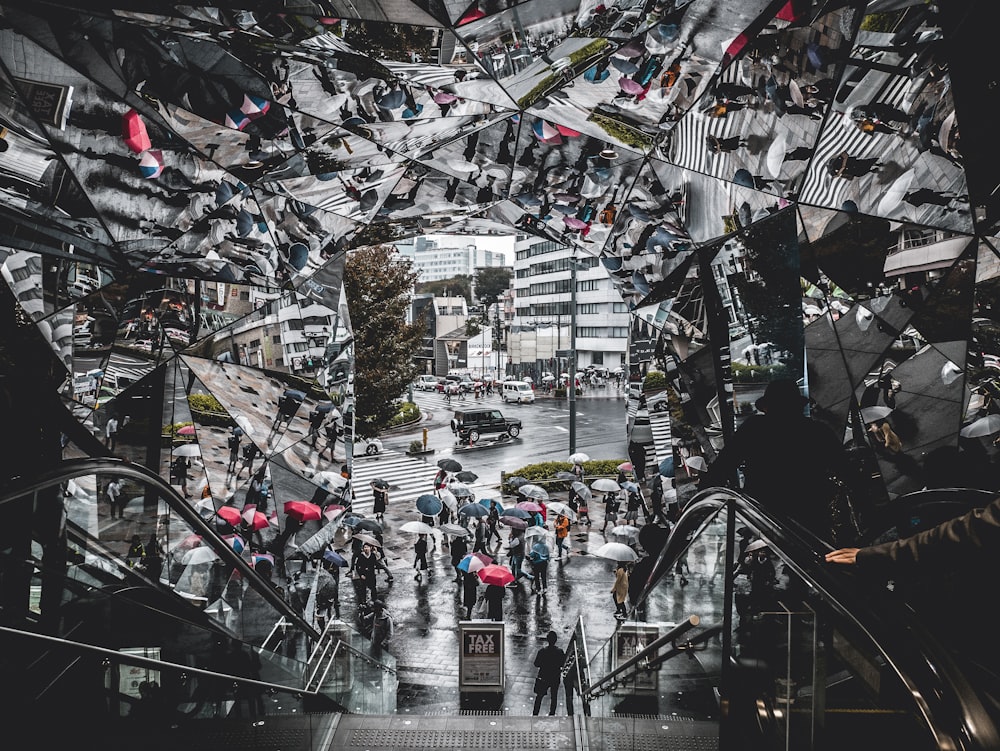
378	282
491	283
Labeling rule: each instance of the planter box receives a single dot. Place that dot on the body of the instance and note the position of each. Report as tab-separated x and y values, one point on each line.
420	453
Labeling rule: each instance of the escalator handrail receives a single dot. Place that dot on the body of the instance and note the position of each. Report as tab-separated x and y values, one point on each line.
71	468
803	552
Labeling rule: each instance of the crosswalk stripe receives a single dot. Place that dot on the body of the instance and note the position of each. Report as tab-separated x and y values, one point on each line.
407	477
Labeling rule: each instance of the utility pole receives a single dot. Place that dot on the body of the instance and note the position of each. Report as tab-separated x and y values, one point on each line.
572	355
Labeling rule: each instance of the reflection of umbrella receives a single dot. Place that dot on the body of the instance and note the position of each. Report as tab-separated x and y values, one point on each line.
369	525
231	514
536	492
573	223
256	520
595	76
514	511
151	163
467	476
473	510
895	194
776	153
474	562
134	132
581	490
457	530
630	487
266	557
368	539
244	422
443	97
696	463
617	551
514	522
236	542
449	465
335	558
743	177
982	427
626	67
548	377
560	508
188	449
392	99
495	574
544	131
605	484
530	506
303	510
417	528
186	430
871	414
796	93
429	505
630	86
579	458
667	467
254	106
626	466
199	555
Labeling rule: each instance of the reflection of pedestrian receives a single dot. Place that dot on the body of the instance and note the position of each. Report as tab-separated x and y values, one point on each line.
114	492
723	145
932	197
549	661
619	591
234	450
789	461
178	470
847	166
111	432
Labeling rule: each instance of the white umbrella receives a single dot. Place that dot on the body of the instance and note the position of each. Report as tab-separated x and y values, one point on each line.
548	378
455	530
617	551
605	484
696	463
188	449
579	458
245	425
535	492
201	554
945	131
532	532
776	153
894	195
449	499
332	480
871	414
796	93
982	427
625	530
558	507
417	528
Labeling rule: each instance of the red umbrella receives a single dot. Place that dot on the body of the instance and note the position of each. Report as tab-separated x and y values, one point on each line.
303	510
231	514
256	520
495	574
134	132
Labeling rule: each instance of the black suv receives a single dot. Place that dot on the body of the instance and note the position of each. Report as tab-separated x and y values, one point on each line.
471	425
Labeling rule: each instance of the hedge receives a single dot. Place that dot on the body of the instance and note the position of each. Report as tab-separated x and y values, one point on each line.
544	474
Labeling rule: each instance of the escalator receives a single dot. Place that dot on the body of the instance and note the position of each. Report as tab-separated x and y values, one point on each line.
743	638
199	648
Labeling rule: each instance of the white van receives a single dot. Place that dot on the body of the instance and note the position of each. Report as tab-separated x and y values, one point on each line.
517	391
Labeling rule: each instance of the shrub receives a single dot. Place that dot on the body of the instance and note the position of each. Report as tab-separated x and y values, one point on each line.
416	446
559	392
408	413
544	473
654	381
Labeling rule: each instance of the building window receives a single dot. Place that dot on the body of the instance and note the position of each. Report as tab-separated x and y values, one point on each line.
589	308
618	332
587	285
619	307
276	339
597	358
589	332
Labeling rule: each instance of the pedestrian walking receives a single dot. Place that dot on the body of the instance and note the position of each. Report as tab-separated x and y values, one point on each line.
549	661
470	592
178	474
619	591
482	535
420	557
315	423
516	555
111	433
848	167
656	501
562	533
234	450
459	549
364	568
380	493
718	145
332	432
114	492
612	504
250	452
493	524
494	595
382	626
539	557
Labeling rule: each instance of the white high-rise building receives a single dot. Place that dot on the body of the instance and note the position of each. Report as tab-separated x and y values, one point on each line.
543	310
435	262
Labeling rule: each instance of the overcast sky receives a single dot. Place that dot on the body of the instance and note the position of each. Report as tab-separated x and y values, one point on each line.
502	243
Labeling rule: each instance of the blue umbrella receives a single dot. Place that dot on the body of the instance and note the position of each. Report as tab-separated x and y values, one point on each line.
408	113
514	511
392	99
474	510
667	467
351	520
743	177
223	192
625	67
631	487
640	283
298	255
612	263
335	558
429	505
595	76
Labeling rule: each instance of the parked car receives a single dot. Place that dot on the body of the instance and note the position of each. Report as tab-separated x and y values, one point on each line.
367	446
471	425
426	383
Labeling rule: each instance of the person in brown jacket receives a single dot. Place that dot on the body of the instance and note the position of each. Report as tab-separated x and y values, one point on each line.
562	532
619	592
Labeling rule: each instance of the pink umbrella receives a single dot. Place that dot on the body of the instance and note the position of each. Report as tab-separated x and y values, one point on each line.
186	430
630	86
530	506
231	514
573	223
134	132
568	132
443	97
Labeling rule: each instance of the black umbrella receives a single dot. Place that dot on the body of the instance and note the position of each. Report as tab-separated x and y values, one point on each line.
369	524
516	482
449	465
474	510
466	476
520	513
565	476
392	99
378	482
